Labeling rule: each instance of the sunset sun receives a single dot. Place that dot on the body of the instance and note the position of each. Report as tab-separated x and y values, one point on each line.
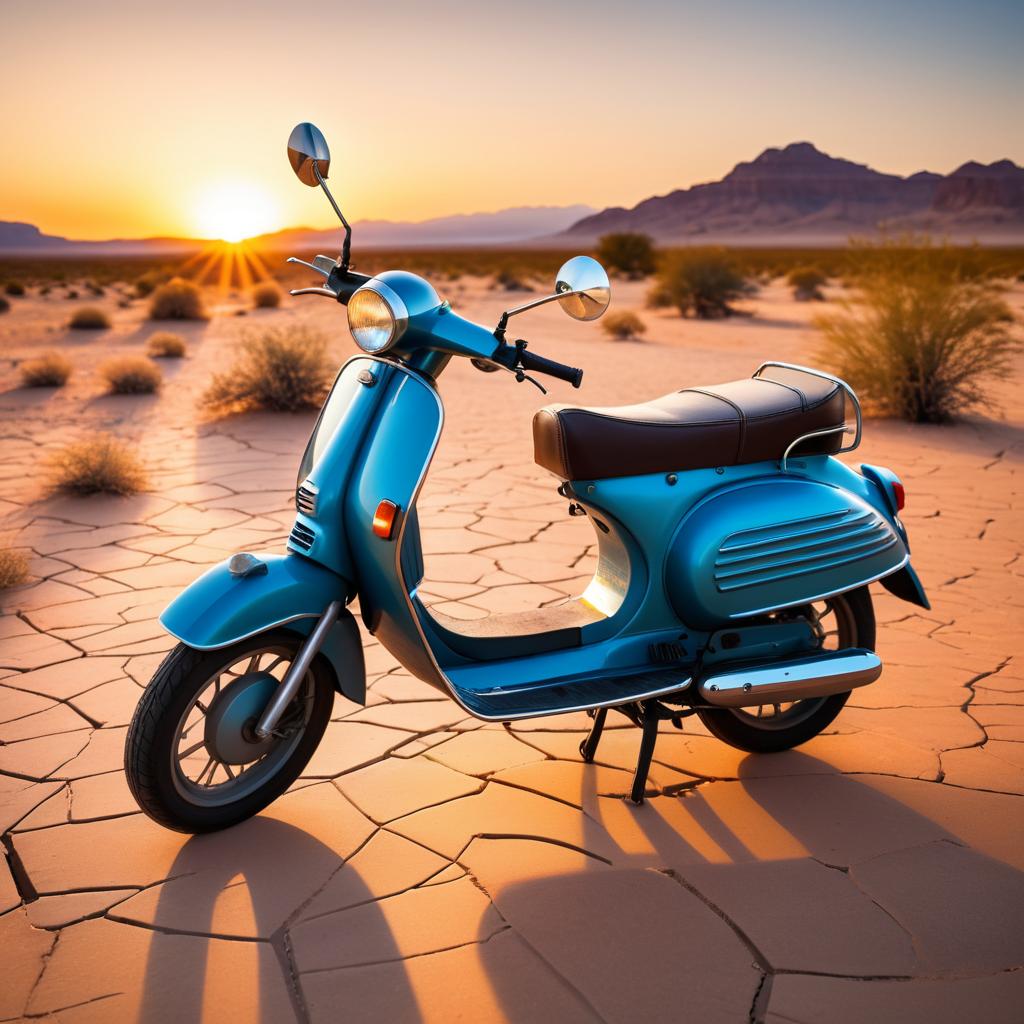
234	210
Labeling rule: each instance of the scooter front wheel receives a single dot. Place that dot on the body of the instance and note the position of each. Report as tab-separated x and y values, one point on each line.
847	620
192	758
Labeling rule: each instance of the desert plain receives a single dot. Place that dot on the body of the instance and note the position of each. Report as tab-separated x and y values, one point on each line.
430	867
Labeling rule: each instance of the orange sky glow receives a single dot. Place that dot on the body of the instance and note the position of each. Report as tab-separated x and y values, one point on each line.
128	121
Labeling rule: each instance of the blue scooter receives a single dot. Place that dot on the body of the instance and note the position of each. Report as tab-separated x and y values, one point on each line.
735	552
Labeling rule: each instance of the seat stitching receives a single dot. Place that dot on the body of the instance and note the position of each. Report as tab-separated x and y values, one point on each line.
739	413
796	391
563	450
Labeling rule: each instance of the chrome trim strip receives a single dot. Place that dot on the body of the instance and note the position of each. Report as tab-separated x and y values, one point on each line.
676	687
394	302
245	636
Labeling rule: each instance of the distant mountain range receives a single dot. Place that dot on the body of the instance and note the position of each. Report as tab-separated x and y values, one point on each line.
796	195
799	194
505	227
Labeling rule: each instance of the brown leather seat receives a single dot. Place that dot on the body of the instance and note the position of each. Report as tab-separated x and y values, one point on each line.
743	421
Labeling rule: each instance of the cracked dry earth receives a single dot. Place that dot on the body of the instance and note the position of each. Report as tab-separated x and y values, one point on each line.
428	867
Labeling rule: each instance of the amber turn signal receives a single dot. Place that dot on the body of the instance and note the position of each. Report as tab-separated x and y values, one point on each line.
384	519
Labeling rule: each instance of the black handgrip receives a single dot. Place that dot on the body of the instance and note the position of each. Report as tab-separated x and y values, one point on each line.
529	361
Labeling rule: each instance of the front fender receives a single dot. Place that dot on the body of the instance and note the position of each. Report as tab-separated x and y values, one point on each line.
220	608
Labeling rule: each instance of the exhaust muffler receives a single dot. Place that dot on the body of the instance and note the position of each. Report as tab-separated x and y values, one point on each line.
777	682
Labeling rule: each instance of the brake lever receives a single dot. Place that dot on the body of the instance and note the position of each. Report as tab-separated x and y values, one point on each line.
521	375
489	366
310	266
314	291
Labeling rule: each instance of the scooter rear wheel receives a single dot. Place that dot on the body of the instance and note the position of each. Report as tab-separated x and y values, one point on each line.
192	759
847	620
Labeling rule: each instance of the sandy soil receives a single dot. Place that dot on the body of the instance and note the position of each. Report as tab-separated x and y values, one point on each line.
428	866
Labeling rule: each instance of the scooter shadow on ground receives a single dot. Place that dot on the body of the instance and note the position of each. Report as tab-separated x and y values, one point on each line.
253	854
793	816
954	900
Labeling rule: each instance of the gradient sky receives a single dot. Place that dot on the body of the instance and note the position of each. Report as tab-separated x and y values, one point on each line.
121	119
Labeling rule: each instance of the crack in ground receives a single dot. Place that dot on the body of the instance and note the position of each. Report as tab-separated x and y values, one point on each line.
760	959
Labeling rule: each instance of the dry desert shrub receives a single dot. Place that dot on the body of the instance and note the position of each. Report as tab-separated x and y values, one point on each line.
131	375
89	318
15	288
703	282
284	370
100	464
806	283
13	568
4	305
920	339
622	326
177	300
165	345
629	253
266	295
511	281
50	370
147	283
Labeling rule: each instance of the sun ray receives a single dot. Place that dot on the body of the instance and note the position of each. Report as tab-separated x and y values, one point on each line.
226	268
199	254
261	268
244	273
211	262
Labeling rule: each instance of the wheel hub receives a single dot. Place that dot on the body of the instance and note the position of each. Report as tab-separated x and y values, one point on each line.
231	721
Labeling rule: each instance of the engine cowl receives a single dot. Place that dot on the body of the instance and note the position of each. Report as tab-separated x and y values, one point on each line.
770	544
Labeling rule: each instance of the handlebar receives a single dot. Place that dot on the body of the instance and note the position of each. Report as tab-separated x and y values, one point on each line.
518	359
538	364
344	283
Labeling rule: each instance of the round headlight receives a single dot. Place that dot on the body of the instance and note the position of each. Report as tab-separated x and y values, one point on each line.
376	317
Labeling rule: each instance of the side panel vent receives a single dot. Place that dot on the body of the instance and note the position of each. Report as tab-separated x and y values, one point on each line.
770	555
302	536
305	500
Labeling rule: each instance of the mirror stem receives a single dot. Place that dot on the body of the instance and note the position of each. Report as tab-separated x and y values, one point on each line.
499	331
346	246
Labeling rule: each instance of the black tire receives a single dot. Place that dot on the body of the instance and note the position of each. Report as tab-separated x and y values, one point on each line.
151	746
855	620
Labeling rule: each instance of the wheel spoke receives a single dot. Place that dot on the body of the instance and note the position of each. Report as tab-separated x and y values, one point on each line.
227	769
182	754
211	767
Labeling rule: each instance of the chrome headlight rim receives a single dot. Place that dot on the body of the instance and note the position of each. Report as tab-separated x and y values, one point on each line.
395	305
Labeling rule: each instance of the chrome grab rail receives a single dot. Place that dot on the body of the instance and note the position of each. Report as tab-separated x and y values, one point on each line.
831	430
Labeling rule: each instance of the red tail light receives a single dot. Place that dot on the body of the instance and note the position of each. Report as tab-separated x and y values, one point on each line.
900	494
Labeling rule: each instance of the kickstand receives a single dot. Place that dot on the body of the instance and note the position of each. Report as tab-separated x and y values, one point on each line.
649	718
588	747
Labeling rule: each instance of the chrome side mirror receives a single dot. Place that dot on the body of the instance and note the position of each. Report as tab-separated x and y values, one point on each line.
308	154
583	289
311	160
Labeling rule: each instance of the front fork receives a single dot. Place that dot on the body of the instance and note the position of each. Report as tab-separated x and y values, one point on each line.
285	693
